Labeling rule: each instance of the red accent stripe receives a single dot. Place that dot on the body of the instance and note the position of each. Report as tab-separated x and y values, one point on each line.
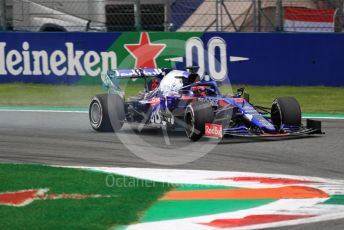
223	103
154	101
239	100
309	15
188	98
268	180
252	220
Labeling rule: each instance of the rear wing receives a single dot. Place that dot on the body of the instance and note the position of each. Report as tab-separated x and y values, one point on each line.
135	73
111	79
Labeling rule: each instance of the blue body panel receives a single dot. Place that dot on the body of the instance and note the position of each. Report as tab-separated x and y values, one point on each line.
252	114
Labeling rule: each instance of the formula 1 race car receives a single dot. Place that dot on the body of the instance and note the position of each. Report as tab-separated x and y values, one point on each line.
181	99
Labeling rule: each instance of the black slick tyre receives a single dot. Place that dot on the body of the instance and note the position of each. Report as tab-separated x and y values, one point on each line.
287	111
106	113
197	114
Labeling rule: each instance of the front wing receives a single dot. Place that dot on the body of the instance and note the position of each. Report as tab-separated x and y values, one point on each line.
312	128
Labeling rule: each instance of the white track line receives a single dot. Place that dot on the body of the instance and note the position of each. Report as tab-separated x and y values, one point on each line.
42	111
80	111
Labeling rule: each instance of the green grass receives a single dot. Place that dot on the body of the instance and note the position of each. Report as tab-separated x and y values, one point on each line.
18	94
316	99
125	206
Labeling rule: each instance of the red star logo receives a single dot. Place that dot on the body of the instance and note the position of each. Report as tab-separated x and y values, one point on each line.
145	52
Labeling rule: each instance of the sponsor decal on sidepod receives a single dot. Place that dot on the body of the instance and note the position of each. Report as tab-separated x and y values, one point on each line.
213	130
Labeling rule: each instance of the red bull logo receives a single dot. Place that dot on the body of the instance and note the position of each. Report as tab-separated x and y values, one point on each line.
213	130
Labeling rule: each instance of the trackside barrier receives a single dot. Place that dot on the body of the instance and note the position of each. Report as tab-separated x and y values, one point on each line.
246	58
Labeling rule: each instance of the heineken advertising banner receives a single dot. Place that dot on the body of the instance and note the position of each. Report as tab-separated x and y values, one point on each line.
245	58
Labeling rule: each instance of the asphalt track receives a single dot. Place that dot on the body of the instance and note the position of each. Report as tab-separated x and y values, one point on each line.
67	139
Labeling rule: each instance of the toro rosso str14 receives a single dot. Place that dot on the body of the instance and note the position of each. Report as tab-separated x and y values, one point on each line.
181	99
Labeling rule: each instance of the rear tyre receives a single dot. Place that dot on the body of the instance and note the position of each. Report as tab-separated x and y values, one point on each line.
196	116
286	110
106	113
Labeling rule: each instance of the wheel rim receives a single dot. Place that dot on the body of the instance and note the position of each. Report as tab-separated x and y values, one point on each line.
190	124
96	114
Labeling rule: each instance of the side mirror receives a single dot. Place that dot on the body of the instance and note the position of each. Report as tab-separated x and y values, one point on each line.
240	91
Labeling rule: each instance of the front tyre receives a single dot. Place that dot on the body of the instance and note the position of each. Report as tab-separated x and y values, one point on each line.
286	111
196	116
106	113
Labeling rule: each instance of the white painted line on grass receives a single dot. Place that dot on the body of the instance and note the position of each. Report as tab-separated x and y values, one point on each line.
42	111
85	111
